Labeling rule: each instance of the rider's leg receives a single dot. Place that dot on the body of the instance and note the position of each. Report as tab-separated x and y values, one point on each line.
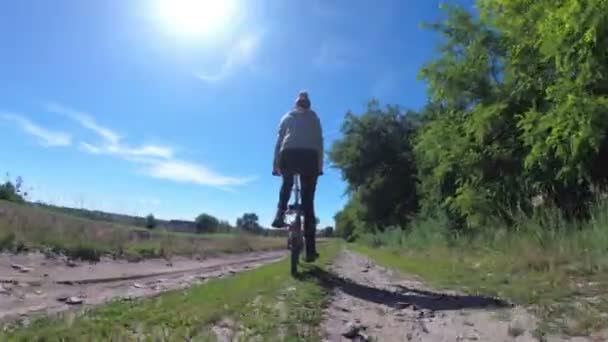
279	219
309	185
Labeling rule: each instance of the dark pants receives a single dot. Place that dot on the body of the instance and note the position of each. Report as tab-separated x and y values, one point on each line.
305	163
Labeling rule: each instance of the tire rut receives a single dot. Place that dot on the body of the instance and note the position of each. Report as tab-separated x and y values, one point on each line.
20	300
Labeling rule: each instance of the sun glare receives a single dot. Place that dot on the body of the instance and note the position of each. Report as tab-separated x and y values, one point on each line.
196	17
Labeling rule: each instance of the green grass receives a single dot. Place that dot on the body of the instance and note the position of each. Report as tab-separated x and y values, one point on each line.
24	228
557	269
265	304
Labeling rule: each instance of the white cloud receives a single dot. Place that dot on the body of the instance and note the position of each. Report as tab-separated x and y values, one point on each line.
45	136
240	55
187	172
111	140
158	161
85	120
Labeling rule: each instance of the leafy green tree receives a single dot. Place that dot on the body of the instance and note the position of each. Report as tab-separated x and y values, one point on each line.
327	231
376	160
468	153
206	223
517	107
150	221
558	61
13	191
249	222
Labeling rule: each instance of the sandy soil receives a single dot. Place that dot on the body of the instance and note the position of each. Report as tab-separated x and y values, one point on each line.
372	303
31	284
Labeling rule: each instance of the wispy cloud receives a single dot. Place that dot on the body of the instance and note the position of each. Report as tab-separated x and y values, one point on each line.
156	161
111	141
85	120
240	55
182	171
45	136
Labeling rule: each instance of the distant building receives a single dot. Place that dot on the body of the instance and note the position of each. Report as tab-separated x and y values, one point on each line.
180	226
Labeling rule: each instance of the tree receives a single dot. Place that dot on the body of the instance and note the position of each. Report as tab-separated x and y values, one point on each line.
224	227
248	222
150	222
206	223
327	232
13	191
517	107
376	160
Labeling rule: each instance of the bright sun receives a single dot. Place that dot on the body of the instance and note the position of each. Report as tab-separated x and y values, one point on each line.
196	17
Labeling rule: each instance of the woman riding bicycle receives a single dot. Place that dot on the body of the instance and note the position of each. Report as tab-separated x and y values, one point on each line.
299	150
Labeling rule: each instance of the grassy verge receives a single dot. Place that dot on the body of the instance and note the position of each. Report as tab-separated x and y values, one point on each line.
559	273
264	304
24	228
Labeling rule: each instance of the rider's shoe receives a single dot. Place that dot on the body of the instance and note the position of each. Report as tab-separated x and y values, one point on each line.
279	219
311	257
311	252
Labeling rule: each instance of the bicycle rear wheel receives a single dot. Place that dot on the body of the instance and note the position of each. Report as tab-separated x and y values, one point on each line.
296	248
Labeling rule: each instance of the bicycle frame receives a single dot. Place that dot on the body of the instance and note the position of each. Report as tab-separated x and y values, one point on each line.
296	207
295	237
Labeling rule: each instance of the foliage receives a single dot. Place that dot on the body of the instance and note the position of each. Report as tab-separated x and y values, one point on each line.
249	222
13	191
206	223
150	222
327	232
375	158
517	107
520	108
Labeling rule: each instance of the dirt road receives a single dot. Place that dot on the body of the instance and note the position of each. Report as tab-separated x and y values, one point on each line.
32	283
372	303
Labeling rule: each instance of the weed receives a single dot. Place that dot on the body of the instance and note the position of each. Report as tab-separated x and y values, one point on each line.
24	227
7	241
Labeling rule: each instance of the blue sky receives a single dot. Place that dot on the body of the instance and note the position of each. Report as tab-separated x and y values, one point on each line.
109	105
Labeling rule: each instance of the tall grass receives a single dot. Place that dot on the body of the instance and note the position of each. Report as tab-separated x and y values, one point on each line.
546	232
24	228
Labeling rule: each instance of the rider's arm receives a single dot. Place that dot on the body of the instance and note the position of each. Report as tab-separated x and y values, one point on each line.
320	150
277	146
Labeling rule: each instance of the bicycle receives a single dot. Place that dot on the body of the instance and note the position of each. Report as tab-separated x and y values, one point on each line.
295	237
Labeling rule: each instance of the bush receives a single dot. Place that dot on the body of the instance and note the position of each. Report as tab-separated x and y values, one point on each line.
150	222
206	223
7	242
82	252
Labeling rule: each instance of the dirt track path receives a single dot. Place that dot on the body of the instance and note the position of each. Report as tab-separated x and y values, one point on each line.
372	303
46	284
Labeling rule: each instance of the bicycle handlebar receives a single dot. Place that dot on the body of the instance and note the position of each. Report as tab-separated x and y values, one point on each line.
276	174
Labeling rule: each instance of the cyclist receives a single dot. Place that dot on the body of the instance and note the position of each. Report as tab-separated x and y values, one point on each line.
299	150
